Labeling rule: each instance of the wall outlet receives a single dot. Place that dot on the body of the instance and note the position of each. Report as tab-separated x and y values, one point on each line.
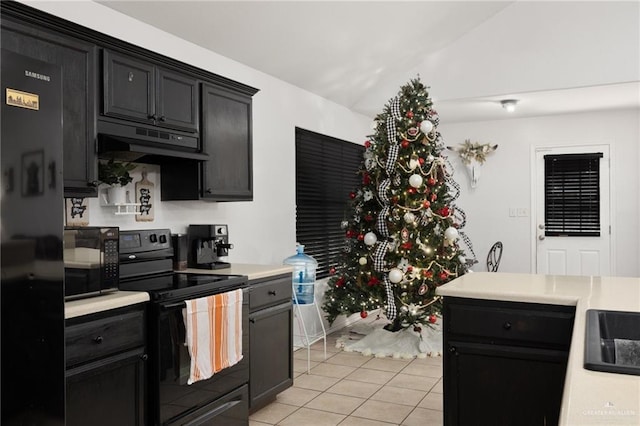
512	212
522	212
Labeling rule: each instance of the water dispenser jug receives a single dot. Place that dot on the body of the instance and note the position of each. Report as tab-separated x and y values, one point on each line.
304	276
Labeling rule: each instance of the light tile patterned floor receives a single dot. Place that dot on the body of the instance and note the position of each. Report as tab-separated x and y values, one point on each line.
349	389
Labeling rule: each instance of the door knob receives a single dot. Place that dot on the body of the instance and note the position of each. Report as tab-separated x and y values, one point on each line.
541	226
541	237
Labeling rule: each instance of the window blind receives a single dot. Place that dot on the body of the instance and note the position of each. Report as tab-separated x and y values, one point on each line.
326	172
572	195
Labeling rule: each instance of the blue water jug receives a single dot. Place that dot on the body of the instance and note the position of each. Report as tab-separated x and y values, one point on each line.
304	276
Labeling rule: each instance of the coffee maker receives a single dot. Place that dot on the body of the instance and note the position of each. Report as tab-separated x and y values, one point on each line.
207	244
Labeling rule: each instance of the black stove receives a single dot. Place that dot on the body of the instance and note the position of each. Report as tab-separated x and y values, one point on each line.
146	264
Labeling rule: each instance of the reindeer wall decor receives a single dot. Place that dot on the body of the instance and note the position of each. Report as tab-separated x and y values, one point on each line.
473	155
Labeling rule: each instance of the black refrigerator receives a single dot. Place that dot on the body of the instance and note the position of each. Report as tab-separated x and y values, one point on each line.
31	252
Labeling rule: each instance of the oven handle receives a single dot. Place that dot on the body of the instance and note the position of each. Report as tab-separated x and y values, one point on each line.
173	305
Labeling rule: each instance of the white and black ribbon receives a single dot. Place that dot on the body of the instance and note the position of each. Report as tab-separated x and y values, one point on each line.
381	221
378	256
382	191
391	304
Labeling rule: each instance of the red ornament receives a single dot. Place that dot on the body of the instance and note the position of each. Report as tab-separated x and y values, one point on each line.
352	195
434	197
409	268
373	281
366	179
421	160
368	218
433	319
360	237
363	314
367	144
426	204
410	114
427	274
431	181
404	143
350	233
411	190
444	211
332	270
340	282
407	245
395	199
443	275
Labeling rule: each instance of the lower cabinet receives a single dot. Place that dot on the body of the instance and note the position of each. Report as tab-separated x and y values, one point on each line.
106	368
271	340
504	362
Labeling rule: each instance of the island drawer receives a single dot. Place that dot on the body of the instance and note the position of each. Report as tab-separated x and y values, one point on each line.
527	323
95	337
270	292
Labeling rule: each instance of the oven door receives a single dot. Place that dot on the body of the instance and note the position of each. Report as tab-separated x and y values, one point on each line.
170	364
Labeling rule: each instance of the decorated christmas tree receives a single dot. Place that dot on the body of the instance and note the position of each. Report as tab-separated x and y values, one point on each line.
403	229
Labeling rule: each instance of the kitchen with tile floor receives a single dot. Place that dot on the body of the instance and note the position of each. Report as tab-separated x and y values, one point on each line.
350	389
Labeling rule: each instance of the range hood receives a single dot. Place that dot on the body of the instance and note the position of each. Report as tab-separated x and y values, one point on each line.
145	144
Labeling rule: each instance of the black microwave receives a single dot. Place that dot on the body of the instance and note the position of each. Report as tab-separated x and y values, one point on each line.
91	265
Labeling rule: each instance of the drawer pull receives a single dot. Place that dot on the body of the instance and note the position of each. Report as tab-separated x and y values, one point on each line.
144	357
507	325
272	292
98	339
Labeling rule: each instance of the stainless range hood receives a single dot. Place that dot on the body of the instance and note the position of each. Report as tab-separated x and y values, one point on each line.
145	144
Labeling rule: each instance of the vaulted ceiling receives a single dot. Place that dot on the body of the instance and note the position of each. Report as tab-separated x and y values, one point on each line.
554	57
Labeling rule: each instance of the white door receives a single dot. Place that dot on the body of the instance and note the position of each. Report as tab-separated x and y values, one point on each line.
572	255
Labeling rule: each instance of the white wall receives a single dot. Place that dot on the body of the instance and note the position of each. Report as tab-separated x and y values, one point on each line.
262	231
506	181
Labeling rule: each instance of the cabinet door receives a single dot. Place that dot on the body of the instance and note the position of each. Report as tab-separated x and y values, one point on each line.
108	392
226	137
128	88
178	101
502	385
77	60
271	342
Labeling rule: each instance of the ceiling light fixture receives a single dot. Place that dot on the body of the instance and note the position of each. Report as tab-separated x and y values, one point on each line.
509	104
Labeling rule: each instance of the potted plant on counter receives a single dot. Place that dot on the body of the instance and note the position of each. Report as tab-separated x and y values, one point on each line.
116	175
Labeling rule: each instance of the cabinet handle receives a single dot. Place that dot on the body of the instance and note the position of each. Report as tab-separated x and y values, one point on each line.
162	118
153	117
272	292
453	350
506	325
98	339
93	184
144	357
252	321
209	191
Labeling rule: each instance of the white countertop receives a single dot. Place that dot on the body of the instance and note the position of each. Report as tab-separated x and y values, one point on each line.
105	302
590	397
253	272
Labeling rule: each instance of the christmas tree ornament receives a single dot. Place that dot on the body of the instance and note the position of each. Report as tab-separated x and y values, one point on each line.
395	275
362	261
422	290
404	235
433	319
451	233
409	217
363	314
360	237
415	180
414	162
430	158
370	238
426	126
462	259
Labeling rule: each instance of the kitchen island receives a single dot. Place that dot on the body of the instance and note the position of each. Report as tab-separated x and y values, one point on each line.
589	397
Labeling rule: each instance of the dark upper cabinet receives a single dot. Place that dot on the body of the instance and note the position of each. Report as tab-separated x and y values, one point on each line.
77	59
137	90
227	138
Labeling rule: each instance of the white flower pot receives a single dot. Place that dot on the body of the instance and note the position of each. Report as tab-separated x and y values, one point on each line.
116	195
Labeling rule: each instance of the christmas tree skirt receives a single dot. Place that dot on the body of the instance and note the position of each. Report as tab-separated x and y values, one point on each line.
373	339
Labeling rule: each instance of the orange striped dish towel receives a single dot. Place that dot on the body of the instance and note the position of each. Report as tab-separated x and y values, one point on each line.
213	333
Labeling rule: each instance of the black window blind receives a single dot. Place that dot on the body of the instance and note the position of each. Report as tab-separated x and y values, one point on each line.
572	194
326	172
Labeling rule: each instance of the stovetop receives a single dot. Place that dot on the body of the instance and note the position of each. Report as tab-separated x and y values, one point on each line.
146	265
